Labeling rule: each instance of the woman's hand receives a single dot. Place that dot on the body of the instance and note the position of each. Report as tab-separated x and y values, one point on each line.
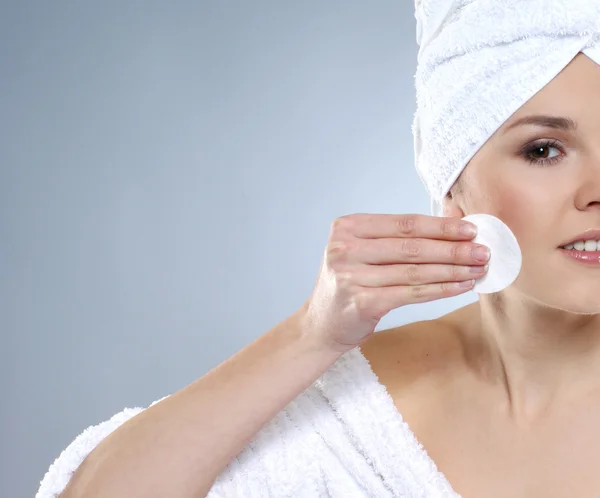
374	263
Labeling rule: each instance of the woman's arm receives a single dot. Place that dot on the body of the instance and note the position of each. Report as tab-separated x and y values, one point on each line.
179	446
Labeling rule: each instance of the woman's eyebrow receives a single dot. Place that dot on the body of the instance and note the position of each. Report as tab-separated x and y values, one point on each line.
557	122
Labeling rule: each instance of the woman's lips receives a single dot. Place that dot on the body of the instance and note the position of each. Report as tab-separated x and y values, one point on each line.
586	257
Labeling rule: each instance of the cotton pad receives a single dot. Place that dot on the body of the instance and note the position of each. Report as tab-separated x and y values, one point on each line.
505	259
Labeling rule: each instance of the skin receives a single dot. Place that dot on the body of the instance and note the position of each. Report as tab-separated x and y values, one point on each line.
504	394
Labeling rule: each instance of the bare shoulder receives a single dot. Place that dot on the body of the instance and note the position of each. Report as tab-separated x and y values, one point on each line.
420	356
418	348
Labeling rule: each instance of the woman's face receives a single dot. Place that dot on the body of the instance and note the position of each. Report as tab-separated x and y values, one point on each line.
544	183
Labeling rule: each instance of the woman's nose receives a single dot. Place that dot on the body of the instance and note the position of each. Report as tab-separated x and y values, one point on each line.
588	194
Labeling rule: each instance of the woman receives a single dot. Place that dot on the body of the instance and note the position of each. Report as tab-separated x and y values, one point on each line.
503	394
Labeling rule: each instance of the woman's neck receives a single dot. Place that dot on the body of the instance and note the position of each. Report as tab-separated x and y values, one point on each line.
537	356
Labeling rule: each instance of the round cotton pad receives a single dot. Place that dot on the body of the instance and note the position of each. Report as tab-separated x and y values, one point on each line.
505	259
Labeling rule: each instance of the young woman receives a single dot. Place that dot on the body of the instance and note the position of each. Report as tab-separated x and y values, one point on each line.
500	398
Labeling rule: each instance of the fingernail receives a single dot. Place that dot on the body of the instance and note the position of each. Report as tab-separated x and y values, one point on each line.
468	283
468	229
481	253
479	269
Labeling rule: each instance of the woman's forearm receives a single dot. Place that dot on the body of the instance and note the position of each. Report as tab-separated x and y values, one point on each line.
179	446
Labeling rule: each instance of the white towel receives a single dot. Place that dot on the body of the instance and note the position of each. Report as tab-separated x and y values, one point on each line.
479	61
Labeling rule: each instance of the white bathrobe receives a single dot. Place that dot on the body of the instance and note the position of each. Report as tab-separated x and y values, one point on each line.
342	438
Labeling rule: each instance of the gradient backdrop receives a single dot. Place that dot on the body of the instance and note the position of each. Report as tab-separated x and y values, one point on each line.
168	175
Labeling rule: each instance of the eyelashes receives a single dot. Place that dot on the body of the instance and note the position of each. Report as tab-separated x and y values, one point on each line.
529	152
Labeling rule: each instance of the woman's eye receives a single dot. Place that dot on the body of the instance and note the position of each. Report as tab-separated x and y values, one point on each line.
543	153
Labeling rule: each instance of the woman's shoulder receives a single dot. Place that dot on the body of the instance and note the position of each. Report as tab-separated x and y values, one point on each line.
418	350
418	362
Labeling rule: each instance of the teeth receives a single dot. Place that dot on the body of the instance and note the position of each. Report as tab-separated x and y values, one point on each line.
588	245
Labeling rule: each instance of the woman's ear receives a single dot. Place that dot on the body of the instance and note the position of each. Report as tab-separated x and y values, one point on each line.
452	209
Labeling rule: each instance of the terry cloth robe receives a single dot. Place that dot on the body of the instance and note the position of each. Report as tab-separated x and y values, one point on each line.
341	438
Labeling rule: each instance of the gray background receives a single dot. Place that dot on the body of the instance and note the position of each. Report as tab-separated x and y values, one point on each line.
169	174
